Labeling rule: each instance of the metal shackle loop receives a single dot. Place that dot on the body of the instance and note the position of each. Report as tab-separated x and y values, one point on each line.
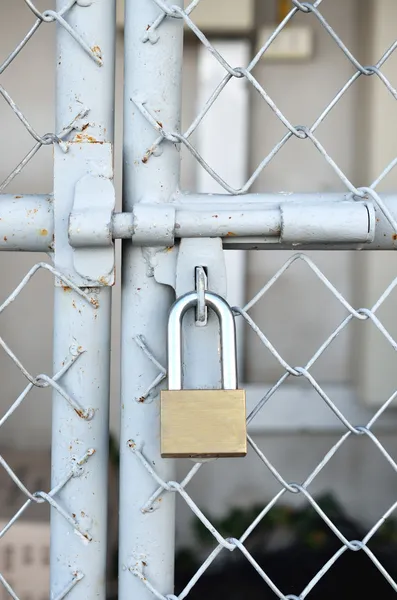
227	338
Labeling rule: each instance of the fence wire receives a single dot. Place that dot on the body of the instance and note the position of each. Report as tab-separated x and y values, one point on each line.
46	17
305	133
303	488
42	381
76	468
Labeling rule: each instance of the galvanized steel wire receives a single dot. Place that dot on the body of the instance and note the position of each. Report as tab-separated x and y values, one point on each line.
305	134
47	17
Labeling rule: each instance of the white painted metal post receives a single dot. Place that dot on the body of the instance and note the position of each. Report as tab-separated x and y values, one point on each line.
152	76
79	326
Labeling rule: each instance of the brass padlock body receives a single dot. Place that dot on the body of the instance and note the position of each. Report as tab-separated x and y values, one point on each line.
203	423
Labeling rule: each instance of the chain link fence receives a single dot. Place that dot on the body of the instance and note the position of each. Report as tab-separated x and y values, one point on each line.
61	495
47	17
72	356
303	488
305	134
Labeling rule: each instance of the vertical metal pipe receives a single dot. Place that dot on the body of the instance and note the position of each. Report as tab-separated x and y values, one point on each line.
78	325
153	76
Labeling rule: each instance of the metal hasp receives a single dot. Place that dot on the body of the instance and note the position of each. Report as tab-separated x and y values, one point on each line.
203	423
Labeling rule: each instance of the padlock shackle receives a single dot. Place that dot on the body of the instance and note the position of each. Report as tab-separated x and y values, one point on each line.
227	338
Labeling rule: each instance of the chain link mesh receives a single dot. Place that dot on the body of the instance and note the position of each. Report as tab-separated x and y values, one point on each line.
42	381
72	354
46	17
306	134
303	488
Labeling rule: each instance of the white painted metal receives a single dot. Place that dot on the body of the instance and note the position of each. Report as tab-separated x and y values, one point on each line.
81	326
201	349
152	75
84	169
26	222
348	222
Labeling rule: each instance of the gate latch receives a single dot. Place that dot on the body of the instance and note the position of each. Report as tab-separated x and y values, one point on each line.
90	229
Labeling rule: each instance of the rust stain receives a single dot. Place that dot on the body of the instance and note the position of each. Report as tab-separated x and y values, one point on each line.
74	515
85	126
43	232
80	413
80	138
102	279
131	444
144	564
159	123
145	159
142	399
66	288
31	211
215	216
17	197
97	51
394	236
82	513
94	302
74	304
231	233
5	238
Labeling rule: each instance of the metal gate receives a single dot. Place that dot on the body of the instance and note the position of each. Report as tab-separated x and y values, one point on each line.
173	243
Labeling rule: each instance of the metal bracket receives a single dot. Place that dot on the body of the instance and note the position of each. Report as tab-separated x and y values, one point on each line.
201	287
201	350
90	229
84	201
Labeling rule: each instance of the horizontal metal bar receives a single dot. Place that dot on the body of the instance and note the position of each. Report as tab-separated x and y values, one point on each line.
26	222
254	221
269	218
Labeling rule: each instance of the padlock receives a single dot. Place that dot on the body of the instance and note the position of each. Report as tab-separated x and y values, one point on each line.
203	423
